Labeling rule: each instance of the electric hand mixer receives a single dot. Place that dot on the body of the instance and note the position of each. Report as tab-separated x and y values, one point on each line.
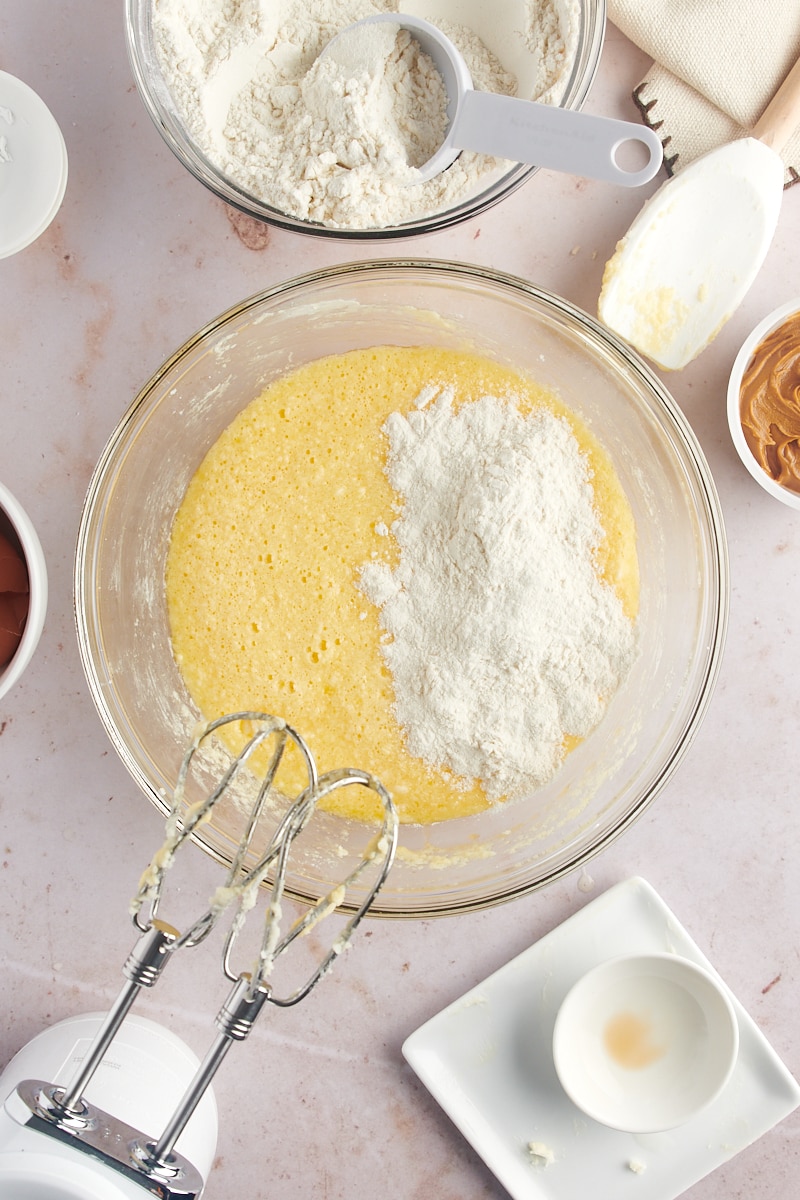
54	1143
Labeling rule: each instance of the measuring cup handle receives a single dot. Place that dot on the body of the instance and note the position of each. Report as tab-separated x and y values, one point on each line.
544	135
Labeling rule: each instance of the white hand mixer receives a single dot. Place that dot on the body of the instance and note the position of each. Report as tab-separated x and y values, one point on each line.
57	1145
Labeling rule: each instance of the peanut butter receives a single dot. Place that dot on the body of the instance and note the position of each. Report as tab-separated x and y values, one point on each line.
770	404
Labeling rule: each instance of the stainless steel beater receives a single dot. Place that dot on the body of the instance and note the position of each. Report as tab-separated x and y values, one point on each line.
64	1113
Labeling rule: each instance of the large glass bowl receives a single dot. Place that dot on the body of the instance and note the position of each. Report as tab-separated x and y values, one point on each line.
161	107
140	480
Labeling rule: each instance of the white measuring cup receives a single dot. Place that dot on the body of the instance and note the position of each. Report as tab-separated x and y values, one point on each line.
543	135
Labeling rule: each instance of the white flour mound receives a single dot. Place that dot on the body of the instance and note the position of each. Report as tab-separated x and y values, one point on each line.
378	102
500	636
338	141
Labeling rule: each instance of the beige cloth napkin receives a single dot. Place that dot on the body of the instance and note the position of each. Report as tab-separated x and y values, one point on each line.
717	64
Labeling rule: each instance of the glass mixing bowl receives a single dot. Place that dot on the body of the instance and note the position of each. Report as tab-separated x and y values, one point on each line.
163	111
140	480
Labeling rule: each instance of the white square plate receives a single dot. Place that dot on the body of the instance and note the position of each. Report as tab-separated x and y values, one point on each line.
487	1060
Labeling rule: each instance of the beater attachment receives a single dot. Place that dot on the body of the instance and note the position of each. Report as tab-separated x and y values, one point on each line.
64	1112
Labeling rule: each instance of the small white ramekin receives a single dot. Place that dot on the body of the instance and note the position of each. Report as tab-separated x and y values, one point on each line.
751	343
37	582
645	1042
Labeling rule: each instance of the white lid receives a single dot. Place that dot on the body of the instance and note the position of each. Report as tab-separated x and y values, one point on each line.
33	165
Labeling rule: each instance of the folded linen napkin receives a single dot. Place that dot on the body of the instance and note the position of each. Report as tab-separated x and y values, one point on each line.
717	64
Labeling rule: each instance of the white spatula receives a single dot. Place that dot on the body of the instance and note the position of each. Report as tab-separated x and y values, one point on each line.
690	256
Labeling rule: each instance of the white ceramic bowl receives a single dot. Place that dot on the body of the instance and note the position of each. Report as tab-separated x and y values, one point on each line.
22	528
751	344
645	1042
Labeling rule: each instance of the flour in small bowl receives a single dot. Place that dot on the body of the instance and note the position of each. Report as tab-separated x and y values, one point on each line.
501	637
339	142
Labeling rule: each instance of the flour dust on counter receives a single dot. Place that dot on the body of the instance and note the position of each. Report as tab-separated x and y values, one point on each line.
339	139
421	560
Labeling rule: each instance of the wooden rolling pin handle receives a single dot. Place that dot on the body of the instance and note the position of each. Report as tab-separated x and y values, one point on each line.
781	117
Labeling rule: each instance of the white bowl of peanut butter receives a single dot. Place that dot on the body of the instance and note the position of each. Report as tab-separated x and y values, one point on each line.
645	1042
764	403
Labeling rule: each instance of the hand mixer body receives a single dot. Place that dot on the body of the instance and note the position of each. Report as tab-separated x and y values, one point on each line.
139	1083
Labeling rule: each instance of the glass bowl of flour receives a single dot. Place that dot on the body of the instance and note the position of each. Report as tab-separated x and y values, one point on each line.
242	98
455	514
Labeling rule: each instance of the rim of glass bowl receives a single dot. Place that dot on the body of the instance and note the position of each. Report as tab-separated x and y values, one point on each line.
610	349
157	101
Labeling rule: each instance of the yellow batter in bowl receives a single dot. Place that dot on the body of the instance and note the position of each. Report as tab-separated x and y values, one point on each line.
262	573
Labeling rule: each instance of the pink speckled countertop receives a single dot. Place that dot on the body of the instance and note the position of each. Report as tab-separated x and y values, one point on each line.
320	1101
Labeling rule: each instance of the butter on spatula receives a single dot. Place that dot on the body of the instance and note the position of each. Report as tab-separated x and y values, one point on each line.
691	255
